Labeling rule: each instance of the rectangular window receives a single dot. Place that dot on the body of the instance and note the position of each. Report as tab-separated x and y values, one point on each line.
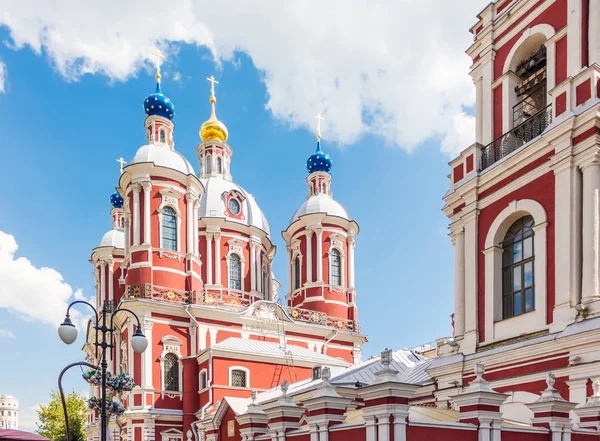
203	380
238	378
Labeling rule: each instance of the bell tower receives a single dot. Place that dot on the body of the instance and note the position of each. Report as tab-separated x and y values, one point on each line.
320	243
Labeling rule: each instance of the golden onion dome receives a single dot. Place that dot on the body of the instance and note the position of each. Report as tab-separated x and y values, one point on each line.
213	129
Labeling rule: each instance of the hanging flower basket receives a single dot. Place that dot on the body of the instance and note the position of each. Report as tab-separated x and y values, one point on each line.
120	383
93	376
112	407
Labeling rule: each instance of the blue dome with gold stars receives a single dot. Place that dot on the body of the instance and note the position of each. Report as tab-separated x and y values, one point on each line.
158	104
318	161
116	200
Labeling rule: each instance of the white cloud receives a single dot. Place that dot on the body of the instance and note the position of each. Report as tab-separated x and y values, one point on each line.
460	136
24	287
2	77
6	333
177	77
28	418
394	68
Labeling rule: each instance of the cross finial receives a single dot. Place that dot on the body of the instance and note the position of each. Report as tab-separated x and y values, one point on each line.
159	56
122	162
319	118
212	80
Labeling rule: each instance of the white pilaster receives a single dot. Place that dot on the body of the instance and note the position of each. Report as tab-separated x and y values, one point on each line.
479	110
136	213
252	266
594	33
487	101
590	286
126	232
217	237
147	187
290	265
459	283
574	36
471	300
147	358
351	243
258	269
319	256
190	224
196	233
102	283
551	63
309	277
209	266
509	100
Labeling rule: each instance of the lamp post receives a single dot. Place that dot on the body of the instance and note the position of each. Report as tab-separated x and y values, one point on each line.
68	334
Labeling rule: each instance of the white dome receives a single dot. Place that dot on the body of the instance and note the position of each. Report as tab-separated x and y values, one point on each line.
113	238
163	156
321	203
212	203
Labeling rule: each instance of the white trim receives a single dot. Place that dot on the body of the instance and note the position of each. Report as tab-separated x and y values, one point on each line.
205	372
336	243
545	29
237	248
171	345
495	327
239	368
170	199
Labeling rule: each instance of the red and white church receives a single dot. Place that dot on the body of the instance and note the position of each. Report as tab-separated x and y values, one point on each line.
191	253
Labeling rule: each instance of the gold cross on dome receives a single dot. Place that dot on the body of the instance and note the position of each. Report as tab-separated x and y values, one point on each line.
319	118
122	162
159	56
212	80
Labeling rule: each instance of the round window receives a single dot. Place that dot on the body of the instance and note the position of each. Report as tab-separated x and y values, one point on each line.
234	206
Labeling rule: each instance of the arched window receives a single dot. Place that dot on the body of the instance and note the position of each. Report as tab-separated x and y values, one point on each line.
171	372
219	165
162	136
336	266
169	229
297	273
235	272
518	290
238	378
208	164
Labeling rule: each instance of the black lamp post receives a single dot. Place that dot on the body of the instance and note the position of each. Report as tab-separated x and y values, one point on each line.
68	334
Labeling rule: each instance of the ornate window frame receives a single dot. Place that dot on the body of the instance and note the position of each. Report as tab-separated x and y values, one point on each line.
171	345
238	368
495	327
336	242
236	247
171	435
240	198
170	198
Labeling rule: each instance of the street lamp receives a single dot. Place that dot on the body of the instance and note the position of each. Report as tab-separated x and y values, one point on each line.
68	334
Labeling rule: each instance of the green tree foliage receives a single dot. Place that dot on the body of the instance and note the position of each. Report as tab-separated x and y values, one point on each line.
52	419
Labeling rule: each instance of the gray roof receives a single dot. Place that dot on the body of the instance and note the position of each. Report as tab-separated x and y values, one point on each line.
273	349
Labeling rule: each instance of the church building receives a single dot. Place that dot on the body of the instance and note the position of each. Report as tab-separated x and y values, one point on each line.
191	253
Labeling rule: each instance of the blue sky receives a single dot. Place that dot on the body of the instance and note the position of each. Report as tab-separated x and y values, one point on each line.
62	132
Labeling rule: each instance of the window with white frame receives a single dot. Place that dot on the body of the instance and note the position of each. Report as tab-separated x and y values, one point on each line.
171	372
219	165
238	377
517	269
169	229
203	380
162	136
235	272
336	267
208	164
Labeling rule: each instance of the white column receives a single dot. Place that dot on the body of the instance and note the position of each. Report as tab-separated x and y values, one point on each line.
383	429
102	283
252	266
110	263
136	214
370	428
126	233
574	36
594	33
147	187
217	258
196	233
190	224
351	243
509	100
319	256
259	272
147	357
479	110
290	266
590	286
193	339
471	303
309	234
209	238
459	283
551	63
179	233
487	101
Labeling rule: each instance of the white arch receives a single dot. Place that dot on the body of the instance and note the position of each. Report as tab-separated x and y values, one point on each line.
544	29
495	327
509	215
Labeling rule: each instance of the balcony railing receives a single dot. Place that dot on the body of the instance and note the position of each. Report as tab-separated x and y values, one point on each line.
517	137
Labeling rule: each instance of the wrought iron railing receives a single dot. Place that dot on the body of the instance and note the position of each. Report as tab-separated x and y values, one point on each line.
517	137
